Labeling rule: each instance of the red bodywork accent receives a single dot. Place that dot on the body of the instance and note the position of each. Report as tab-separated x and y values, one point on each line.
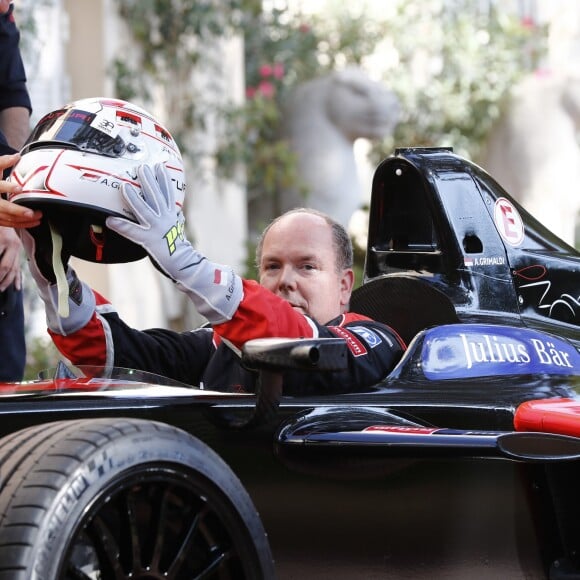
81	384
407	430
560	415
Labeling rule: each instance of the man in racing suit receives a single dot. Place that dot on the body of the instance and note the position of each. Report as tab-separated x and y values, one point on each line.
306	279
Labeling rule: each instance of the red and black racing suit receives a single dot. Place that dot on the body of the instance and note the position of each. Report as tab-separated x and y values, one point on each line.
202	357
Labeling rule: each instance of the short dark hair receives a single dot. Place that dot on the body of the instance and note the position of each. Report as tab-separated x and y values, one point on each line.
341	240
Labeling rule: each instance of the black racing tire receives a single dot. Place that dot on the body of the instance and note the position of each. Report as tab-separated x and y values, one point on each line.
114	498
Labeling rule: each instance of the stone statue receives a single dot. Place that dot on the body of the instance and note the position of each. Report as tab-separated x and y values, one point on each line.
533	151
322	119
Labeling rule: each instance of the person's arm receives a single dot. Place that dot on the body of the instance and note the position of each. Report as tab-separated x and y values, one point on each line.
15	124
10	247
15	109
239	310
214	289
86	329
73	310
15	103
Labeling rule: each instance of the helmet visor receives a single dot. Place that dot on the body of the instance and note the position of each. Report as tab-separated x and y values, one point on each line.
78	129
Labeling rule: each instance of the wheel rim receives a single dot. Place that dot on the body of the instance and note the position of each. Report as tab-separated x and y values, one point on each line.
159	523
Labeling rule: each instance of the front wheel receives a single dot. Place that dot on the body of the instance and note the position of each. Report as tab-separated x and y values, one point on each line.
113	499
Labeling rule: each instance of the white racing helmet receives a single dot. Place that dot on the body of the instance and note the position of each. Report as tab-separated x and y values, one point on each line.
74	163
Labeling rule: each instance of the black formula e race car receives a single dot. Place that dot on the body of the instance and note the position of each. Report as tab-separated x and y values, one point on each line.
463	462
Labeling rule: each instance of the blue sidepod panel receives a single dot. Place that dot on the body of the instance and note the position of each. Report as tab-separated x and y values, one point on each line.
481	350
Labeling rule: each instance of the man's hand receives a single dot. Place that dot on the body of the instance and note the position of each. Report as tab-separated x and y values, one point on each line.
160	228
10	247
215	290
17	216
12	214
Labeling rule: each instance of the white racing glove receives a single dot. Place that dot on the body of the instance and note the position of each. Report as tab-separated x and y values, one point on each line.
215	290
69	303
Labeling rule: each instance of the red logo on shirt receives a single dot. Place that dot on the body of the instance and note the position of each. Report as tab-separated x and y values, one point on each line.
354	344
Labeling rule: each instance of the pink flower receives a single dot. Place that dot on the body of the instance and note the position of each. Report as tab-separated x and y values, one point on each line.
528	22
304	28
250	92
265	70
266	89
278	70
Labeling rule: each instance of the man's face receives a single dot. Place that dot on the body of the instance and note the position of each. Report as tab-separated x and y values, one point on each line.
298	263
